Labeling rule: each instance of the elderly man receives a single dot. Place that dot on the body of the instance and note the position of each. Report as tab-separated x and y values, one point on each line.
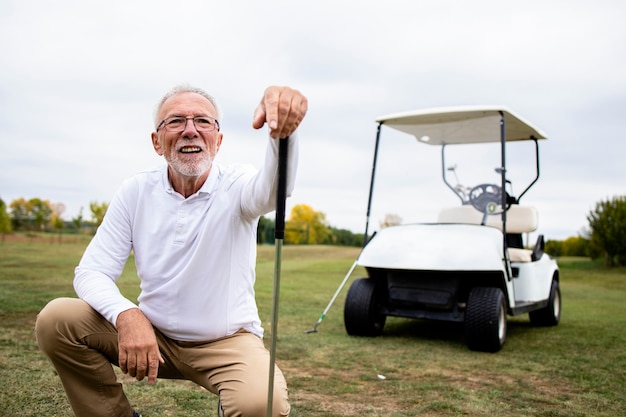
191	225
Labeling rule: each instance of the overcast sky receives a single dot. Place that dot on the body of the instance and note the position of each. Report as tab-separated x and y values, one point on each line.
79	81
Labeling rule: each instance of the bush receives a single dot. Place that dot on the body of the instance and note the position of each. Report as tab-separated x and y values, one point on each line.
572	246
608	229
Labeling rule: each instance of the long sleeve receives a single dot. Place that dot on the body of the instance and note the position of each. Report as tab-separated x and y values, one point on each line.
103	261
259	197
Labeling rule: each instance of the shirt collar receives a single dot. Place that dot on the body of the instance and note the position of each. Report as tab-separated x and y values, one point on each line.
207	188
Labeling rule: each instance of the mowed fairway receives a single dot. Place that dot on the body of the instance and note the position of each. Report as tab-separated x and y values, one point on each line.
417	368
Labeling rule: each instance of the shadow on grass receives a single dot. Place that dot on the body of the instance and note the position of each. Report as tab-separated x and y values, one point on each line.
451	333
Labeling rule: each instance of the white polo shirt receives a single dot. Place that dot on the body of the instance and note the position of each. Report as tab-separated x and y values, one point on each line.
195	256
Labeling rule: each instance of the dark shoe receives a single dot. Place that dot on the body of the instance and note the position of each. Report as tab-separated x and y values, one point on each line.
136	414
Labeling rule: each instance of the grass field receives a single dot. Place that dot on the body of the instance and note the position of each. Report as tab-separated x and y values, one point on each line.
575	369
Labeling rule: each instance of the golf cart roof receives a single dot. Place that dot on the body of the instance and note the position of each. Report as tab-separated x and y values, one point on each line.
458	125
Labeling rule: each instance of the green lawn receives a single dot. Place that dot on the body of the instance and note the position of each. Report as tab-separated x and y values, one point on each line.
417	368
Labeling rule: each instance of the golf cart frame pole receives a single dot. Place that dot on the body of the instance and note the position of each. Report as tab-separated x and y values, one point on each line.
537	168
369	200
443	173
504	200
279	235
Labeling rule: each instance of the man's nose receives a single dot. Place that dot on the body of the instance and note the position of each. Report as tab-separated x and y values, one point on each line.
190	128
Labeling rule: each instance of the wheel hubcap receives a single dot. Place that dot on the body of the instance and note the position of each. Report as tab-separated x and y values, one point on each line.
501	325
557	305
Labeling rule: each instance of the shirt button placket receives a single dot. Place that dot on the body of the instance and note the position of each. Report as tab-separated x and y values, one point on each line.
181	220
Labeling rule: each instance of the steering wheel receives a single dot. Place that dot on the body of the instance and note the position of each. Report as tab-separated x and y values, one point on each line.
486	198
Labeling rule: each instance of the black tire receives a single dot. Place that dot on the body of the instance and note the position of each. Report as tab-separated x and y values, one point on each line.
485	319
550	315
362	313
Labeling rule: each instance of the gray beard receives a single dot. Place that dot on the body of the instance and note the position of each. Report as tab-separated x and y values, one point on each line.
189	169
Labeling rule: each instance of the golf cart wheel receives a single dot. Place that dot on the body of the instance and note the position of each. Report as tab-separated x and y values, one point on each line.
485	319
362	311
550	315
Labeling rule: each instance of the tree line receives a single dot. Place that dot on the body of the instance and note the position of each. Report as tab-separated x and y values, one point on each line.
605	237
305	225
39	215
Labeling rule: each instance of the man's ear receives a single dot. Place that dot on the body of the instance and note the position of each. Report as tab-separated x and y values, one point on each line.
156	143
219	140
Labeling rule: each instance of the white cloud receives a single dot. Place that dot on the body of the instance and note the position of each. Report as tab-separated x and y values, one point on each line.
79	81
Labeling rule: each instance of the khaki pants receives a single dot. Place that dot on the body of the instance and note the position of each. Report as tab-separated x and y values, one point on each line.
82	345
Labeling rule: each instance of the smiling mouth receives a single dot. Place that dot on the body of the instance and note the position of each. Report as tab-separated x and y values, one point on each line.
190	149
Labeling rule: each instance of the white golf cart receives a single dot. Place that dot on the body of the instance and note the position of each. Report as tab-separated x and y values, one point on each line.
472	266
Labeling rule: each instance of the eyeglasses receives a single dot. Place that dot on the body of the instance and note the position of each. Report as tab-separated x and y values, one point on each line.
178	123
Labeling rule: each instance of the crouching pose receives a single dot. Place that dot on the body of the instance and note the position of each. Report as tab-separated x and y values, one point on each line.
191	226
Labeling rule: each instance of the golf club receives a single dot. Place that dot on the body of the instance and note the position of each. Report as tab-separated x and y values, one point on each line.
332	300
279	235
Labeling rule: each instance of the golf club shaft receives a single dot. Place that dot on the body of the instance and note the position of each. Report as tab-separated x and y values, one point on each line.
332	300
279	235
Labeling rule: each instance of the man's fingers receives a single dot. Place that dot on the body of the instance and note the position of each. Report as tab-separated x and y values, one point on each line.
139	351
131	364
267	110
153	372
153	366
259	116
296	109
281	121
274	103
122	361
282	108
142	367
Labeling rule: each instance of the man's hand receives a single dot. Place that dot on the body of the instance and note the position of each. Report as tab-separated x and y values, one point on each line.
282	108
139	353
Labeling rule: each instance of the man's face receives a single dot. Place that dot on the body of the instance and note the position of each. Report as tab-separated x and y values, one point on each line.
188	153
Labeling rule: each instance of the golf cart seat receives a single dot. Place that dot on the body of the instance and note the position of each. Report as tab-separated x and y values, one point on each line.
520	219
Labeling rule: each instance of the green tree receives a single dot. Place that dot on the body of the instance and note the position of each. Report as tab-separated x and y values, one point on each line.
575	246
20	212
78	220
33	214
98	210
5	220
608	229
343	237
306	225
41	213
554	247
265	231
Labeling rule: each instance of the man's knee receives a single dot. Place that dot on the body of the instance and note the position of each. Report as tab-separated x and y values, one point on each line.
253	403
280	407
251	408
55	321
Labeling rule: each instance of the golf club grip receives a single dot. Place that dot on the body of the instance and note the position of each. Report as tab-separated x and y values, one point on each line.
281	193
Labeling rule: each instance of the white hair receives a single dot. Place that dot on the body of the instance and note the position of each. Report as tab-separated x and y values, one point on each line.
186	88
